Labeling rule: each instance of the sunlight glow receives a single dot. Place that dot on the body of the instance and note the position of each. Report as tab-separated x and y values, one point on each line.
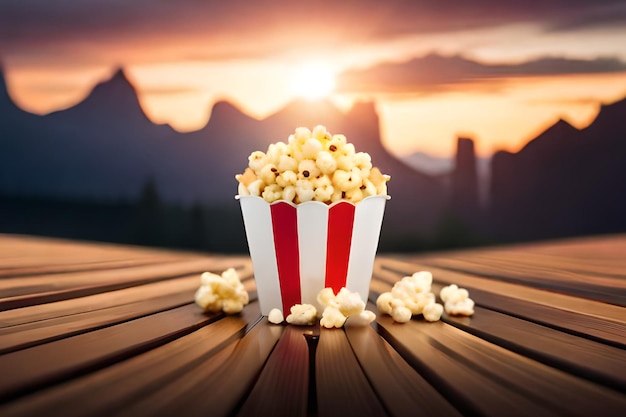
312	81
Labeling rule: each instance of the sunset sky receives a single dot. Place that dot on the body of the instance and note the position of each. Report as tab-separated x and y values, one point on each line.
499	71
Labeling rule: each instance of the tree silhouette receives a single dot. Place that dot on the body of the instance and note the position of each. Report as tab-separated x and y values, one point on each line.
148	215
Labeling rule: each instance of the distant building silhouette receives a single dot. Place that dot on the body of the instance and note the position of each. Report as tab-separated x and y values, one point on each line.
464	193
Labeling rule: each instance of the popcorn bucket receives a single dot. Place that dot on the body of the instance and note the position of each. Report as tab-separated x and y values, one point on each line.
297	250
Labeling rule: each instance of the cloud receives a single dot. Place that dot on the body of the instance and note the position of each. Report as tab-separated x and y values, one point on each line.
433	72
603	17
168	91
216	29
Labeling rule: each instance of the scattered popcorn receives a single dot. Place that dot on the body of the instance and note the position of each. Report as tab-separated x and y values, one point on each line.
432	312
338	308
383	303
461	308
275	316
327	297
400	313
302	315
411	296
350	303
312	166
364	318
332	317
456	301
223	292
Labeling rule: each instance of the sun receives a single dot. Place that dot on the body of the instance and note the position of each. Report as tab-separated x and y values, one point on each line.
312	81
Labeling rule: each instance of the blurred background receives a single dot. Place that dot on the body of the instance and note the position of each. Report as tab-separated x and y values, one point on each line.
499	121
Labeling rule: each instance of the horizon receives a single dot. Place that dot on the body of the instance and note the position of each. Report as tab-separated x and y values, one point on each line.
497	72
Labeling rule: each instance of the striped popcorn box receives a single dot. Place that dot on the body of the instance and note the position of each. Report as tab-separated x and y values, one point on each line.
299	249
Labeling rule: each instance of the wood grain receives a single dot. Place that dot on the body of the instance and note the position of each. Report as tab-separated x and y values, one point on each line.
482	378
33	368
97	330
342	386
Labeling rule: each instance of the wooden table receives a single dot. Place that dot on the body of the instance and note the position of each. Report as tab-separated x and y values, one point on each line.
102	330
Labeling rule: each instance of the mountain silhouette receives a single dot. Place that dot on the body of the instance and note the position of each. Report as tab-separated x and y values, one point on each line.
4	91
564	182
115	97
105	148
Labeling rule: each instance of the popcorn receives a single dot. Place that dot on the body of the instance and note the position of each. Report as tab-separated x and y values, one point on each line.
308	169
383	303
332	317
432	312
255	187
272	193
223	292
302	315
400	313
289	193
364	318
304	191
287	178
323	188
287	164
349	303
311	148
462	308
326	163
326	297
410	296
457	301
257	160
338	308
319	132
275	316
319	166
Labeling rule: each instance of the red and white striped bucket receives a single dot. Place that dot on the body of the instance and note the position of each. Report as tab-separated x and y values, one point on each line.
297	250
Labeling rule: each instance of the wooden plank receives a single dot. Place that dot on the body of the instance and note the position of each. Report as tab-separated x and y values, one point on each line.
45	267
82	305
31	284
342	387
610	289
217	386
117	387
548	265
595	256
581	325
481	378
29	251
598	250
596	265
37	290
578	356
36	367
32	334
402	390
286	371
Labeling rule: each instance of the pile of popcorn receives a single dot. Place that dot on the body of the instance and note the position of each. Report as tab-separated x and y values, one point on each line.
412	295
337	309
312	166
223	292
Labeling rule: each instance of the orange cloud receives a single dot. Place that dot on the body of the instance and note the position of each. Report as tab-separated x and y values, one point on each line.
436	73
